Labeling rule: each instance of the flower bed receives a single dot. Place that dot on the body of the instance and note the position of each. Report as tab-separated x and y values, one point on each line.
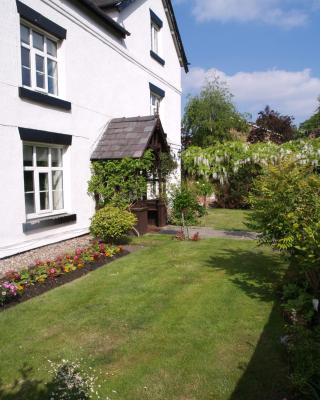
18	286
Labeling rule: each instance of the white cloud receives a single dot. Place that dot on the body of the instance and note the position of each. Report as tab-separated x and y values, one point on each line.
291	93
283	13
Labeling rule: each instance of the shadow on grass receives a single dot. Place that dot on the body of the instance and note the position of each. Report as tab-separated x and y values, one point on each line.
25	388
259	275
265	377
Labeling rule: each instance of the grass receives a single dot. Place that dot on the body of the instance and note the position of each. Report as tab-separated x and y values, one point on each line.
176	320
225	219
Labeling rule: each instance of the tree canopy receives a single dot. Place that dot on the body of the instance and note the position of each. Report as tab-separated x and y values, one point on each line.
272	126
211	116
312	124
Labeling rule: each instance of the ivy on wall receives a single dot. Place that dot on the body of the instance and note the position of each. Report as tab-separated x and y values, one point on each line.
124	182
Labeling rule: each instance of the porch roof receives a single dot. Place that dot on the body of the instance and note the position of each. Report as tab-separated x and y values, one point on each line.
129	137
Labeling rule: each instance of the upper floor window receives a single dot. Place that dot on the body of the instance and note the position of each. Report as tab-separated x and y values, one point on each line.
154	37
43	179
39	63
156	26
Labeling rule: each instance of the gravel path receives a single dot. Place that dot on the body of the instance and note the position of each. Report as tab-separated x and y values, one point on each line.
49	252
211	233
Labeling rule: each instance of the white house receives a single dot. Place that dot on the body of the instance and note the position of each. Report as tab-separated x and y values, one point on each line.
67	68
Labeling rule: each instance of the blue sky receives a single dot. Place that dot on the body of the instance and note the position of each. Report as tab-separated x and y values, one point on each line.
268	51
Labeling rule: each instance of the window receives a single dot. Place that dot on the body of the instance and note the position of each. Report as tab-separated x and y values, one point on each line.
43	179
155	104
39	64
155	38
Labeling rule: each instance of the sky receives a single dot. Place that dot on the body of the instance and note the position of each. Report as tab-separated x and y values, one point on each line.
267	51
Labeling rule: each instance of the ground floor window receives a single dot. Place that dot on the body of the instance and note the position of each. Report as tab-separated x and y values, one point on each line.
43	179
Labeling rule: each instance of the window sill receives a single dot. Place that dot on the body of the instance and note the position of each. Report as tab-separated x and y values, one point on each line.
44	99
157	58
47	222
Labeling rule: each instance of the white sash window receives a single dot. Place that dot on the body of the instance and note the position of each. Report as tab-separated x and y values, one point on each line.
43	179
39	62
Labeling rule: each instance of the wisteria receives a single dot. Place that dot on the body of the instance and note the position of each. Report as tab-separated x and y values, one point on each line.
219	162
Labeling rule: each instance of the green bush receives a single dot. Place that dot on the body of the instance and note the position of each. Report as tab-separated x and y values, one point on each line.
286	211
111	223
234	192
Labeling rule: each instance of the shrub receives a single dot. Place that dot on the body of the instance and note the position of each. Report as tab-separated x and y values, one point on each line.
286	204
297	304
112	223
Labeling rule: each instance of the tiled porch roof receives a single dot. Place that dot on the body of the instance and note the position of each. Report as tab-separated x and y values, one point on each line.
126	137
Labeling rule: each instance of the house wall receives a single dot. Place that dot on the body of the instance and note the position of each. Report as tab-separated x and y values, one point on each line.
103	77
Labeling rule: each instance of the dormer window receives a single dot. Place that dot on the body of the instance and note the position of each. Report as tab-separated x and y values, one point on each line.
39	62
156	26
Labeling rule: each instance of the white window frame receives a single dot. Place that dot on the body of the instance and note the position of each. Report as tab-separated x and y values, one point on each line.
49	169
155	38
33	52
155	110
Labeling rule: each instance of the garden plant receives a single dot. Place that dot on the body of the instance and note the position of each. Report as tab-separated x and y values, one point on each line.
286	211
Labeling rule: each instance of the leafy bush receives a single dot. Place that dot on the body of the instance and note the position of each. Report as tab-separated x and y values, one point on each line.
234	192
286	204
297	304
112	223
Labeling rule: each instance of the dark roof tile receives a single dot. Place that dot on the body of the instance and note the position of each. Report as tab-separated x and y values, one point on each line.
125	137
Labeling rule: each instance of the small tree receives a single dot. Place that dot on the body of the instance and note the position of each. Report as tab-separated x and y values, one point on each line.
185	208
272	126
211	116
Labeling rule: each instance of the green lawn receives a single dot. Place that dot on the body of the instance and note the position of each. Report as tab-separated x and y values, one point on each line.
176	320
224	219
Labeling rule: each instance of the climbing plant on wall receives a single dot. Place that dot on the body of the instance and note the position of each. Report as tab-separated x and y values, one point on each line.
124	182
120	182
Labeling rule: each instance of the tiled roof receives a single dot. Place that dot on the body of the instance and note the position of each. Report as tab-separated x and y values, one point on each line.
126	137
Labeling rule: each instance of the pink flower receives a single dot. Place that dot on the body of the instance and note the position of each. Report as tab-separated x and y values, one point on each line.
52	271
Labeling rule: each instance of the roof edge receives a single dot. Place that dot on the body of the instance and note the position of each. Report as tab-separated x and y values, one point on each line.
115	27
176	34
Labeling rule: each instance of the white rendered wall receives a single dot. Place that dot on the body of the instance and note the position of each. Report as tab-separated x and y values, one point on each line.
102	78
